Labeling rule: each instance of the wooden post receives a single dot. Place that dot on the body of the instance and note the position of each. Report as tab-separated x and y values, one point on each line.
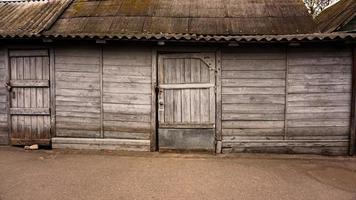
153	137
218	103
52	91
353	106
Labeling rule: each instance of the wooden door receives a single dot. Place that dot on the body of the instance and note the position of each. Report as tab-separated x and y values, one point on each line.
186	101
29	97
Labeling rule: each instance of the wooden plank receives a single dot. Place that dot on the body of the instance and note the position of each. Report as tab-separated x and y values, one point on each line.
318	122
127	135
127	70
319	89
187	86
253	124
253	64
253	82
219	101
28	53
253	90
253	108
319	109
252	117
101	86
352	149
319	60
29	83
319	69
325	115
128	109
254	74
127	88
187	126
140	99
253	99
253	132
319	131
29	111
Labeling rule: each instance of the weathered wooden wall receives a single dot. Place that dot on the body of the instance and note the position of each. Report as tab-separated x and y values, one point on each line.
286	100
127	93
3	99
103	95
253	95
77	89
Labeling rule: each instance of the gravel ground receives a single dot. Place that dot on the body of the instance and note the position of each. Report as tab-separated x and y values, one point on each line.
54	174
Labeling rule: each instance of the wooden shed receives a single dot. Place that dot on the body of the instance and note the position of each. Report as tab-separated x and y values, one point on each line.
148	75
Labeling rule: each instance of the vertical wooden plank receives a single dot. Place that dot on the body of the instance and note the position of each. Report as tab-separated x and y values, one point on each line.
46	98
39	76
204	94
52	91
7	67
218	129
353	106
186	109
177	95
286	96
19	97
101	66
153	136
33	97
161	94
195	93
27	98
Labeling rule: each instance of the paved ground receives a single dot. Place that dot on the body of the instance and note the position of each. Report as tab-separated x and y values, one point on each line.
113	175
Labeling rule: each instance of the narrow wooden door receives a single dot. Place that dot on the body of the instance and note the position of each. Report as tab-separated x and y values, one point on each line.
186	101
29	97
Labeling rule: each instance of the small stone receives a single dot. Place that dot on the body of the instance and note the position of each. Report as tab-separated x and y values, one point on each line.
27	147
34	147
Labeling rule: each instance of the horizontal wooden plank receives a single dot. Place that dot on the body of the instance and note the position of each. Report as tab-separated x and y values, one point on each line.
91	68
78	77
253	132
253	82
140	99
186	126
318	122
186	86
250	53
252	117
321	131
77	119
117	116
86	109
319	69
325	115
127	70
82	60
253	90
253	98
256	65
100	144
271	137
127	88
29	83
319	89
253	124
114	78
127	109
319	137
28	53
29	111
320	103
281	143
77	126
70	113
127	56
308	61
127	135
78	92
253	108
78	99
77	85
319	81
320	109
77	133
319	97
127	126
253	74
76	103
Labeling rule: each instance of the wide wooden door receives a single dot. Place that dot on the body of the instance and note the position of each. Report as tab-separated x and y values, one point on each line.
29	97
186	101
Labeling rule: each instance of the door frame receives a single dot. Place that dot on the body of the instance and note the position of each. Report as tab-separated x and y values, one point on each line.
52	103
156	51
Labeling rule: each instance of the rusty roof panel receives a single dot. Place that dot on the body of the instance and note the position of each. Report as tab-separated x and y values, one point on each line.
26	18
337	15
200	17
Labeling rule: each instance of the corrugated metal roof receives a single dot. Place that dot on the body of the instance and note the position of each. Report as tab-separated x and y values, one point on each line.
27	18
337	15
200	17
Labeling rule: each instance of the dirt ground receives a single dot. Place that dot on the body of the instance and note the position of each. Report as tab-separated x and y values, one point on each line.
47	174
